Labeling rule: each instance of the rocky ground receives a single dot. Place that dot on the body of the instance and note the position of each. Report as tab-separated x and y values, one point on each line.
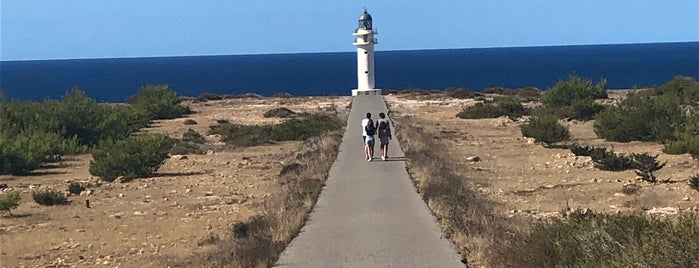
190	200
528	179
197	197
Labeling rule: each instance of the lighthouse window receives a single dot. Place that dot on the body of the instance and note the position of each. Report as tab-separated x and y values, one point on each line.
366	52
366	72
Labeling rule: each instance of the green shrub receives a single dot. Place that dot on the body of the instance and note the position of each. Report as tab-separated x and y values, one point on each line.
461	93
293	129
694	182
304	128
546	129
158	101
192	136
389	92
587	150
611	161
10	201
25	152
190	122
574	98
507	106
480	110
639	118
75	188
209	96
135	157
281	112
529	93
49	197
645	165
563	93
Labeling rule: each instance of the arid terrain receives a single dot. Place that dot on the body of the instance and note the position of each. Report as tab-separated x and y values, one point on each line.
193	198
145	222
526	178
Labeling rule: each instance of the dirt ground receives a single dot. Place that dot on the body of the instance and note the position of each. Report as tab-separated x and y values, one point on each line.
190	199
530	180
146	221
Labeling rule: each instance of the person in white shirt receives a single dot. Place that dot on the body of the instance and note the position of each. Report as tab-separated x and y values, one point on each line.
368	132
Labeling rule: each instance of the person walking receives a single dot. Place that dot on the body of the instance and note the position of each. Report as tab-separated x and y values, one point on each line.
368	132
384	128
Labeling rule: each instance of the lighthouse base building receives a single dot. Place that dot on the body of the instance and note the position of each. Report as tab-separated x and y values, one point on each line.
365	41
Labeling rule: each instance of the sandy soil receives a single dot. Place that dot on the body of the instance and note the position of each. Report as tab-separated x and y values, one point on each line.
140	223
169	216
528	179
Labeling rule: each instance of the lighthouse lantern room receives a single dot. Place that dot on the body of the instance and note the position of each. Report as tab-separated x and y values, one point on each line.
364	40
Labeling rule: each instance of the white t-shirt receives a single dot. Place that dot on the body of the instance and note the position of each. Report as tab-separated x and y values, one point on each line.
365	121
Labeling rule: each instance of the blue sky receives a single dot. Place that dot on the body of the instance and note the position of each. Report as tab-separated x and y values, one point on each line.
50	29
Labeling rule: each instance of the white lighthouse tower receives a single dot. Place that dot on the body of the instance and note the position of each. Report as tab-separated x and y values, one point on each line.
364	40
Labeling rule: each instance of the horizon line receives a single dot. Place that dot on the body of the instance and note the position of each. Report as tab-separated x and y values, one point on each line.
348	51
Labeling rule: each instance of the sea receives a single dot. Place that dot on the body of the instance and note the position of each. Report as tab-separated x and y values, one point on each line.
624	66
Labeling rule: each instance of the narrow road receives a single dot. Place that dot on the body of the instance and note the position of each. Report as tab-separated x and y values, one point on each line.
369	214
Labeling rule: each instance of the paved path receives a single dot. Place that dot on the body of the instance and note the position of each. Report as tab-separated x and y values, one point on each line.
369	214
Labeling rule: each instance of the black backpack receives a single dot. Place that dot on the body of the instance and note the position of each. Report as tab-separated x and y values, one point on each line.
383	128
370	129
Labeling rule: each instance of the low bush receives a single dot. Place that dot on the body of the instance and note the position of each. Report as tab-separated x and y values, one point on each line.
528	93
461	93
209	96
184	148
645	165
629	189
281	112
293	129
480	110
390	92
611	161
193	136
507	106
499	91
75	188
580	150
564	93
694	182
282	95
588	239
135	157
49	197
415	91
10	201
159	102
546	129
189	122
304	128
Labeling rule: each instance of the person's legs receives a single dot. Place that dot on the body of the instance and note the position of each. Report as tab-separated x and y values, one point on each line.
370	144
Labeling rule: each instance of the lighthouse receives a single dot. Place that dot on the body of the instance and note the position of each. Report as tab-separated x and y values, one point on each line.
364	40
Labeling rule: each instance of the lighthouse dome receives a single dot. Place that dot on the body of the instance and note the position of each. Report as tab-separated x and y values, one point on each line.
365	16
365	21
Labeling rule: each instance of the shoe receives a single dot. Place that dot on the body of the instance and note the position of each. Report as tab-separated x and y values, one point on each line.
366	157
370	159
383	158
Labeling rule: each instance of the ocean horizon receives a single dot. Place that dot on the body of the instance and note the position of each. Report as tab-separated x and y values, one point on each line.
624	66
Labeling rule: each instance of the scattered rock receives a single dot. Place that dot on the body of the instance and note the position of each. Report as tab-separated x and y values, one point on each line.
117	215
686	198
140	213
474	158
209	193
663	211
179	157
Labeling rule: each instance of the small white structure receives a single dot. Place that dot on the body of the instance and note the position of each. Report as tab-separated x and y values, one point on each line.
364	40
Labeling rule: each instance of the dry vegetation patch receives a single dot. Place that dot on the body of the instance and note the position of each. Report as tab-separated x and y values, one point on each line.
504	175
187	210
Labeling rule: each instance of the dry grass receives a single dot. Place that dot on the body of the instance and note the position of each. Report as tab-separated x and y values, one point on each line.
258	241
469	219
